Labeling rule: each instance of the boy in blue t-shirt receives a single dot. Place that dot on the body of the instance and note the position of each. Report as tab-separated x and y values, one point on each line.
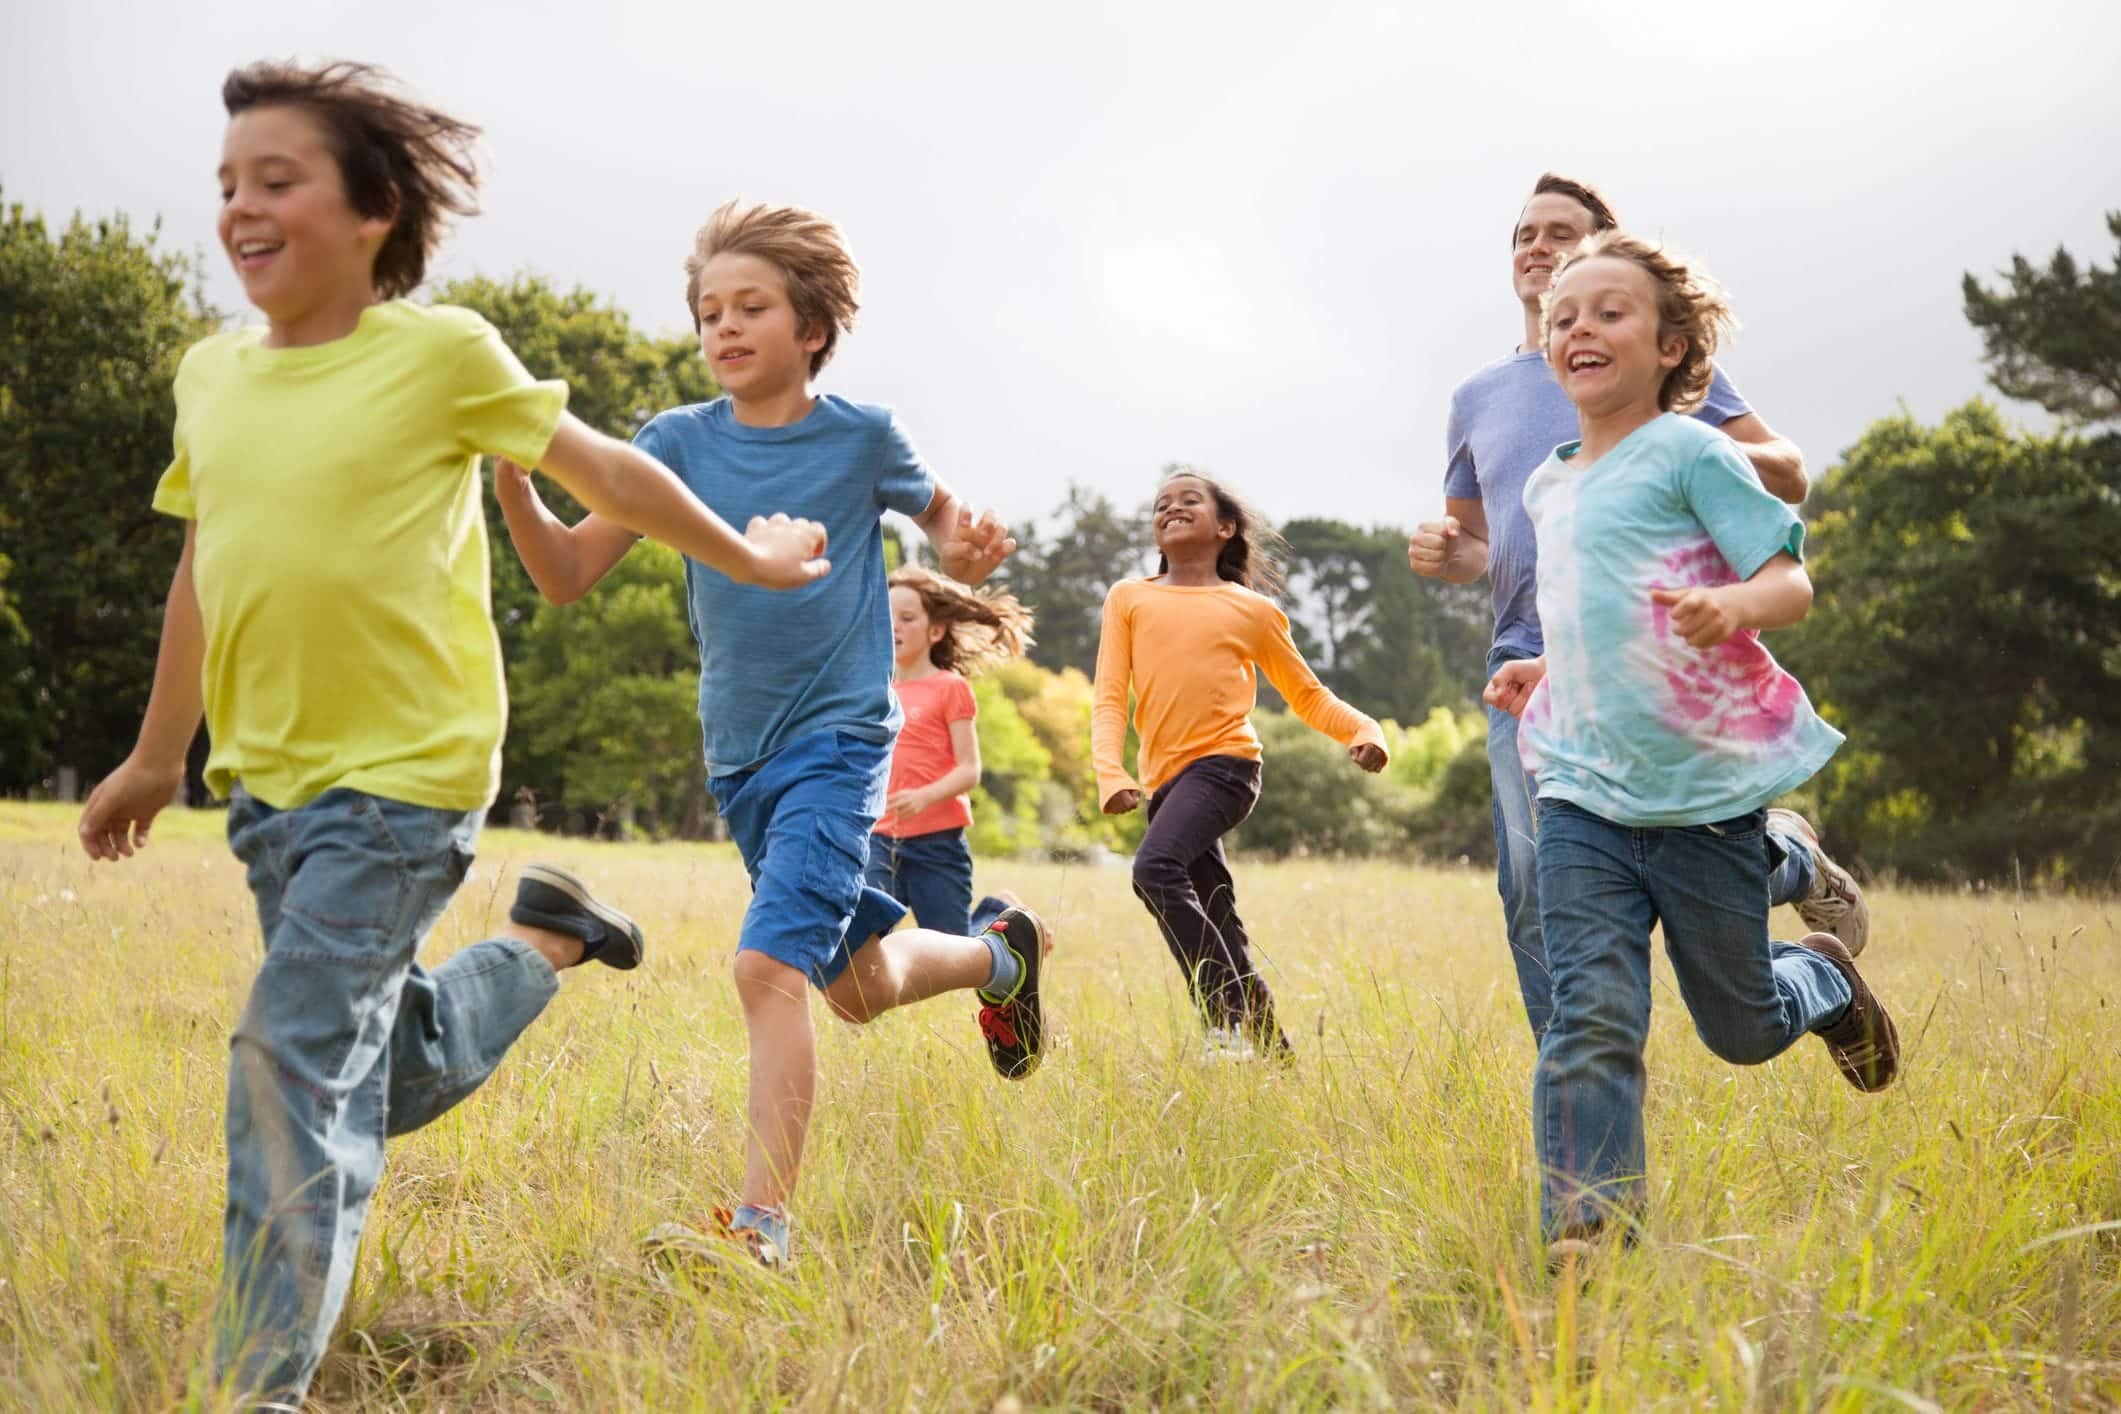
1505	421
795	689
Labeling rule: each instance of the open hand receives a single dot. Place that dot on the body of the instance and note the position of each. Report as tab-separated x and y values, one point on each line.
1368	755
124	805
1123	802
1430	547
973	545
790	553
1512	685
1701	616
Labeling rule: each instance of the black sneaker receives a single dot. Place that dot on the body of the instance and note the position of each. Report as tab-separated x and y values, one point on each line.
1015	1028
1863	1043
552	898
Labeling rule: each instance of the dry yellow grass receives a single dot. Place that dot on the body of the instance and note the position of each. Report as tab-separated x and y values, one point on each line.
1127	1229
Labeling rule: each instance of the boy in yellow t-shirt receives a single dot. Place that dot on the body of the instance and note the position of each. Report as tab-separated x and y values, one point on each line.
330	618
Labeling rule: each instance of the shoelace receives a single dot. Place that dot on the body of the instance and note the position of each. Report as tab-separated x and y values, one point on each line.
995	1025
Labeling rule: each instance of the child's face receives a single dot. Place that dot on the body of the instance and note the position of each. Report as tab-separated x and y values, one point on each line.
912	634
749	333
1550	226
1186	518
1602	335
286	225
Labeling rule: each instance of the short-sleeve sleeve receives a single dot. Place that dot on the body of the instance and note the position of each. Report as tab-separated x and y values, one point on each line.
173	493
962	705
1461	479
903	481
499	409
1723	402
1750	527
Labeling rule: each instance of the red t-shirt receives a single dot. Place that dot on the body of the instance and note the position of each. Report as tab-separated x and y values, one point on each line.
924	752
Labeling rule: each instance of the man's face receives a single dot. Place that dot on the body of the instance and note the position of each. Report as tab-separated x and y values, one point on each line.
1550	227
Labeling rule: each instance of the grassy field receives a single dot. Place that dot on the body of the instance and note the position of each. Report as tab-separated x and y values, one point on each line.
1127	1229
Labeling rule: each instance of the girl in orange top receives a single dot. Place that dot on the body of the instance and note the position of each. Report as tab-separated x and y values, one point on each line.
1189	641
940	630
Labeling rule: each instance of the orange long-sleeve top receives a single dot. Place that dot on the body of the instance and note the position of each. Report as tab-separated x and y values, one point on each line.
1189	652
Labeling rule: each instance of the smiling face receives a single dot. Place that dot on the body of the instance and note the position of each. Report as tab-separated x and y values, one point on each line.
1550	226
296	242
750	335
913	633
1603	339
1187	518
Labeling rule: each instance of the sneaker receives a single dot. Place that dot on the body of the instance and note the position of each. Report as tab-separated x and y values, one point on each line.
1015	1026
720	1240
1226	1045
1835	904
1863	1043
552	898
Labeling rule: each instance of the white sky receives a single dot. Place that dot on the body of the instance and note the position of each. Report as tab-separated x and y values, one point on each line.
1265	238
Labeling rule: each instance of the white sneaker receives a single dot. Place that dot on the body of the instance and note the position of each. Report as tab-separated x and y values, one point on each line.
1226	1045
1835	904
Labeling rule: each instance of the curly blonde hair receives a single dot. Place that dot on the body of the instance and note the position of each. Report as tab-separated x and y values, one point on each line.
980	629
809	251
1689	303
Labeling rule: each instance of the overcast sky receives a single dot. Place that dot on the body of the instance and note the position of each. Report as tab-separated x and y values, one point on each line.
1268	239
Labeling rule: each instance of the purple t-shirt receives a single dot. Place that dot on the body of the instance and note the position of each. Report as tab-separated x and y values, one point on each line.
1506	420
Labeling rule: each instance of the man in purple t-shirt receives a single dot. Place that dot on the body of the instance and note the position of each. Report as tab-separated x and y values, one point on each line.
1505	421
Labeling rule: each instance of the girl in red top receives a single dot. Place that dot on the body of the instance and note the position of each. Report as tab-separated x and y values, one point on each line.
1191	642
940	630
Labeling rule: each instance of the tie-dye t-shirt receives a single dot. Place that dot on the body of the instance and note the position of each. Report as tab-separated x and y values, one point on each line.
1630	722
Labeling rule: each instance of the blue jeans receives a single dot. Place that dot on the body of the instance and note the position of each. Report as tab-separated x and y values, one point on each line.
345	1041
1602	887
1516	810
932	875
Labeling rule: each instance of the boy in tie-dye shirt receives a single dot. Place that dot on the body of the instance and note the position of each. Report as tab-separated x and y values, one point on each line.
1658	728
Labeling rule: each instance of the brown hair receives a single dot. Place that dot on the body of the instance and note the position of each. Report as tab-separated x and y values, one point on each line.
397	157
980	629
1253	555
1582	193
810	252
1689	303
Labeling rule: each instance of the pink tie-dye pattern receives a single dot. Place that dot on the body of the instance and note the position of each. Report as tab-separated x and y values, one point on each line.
1734	690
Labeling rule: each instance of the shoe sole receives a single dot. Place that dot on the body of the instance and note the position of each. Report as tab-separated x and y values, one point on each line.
604	913
1854	909
1851	1064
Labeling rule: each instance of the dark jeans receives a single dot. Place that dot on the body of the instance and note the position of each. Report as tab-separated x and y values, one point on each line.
1180	872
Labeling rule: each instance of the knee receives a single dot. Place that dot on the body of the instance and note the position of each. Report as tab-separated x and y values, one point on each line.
1742	1045
1156	874
850	1001
764	983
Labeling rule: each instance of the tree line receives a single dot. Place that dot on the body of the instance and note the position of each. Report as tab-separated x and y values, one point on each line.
1966	633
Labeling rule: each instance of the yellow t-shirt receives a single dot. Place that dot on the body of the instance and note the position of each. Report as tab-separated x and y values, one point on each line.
340	558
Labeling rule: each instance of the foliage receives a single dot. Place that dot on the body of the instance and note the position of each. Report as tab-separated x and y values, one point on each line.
2054	335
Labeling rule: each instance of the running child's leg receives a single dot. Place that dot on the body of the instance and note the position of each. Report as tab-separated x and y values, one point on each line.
1245	990
1587	1089
1187	818
1516	813
935	872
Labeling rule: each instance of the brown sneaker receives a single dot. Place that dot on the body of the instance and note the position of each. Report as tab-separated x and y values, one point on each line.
1835	904
1864	1043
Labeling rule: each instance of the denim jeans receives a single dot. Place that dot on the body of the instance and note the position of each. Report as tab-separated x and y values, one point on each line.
930	874
1516	810
345	1040
1602	887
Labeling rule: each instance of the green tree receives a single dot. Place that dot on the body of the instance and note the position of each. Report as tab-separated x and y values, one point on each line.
1014	769
1967	633
93	319
2054	335
1062	570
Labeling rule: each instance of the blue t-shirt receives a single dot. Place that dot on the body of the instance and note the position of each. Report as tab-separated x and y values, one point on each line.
777	664
1631	722
1506	420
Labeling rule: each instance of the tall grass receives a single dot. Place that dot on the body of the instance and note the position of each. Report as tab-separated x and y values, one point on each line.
1126	1229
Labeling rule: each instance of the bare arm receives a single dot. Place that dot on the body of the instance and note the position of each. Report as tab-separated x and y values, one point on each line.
1778	595
1777	461
123	806
1454	549
565	562
634	490
969	547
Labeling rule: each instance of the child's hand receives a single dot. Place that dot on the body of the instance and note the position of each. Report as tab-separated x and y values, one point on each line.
1123	802
1701	616
1512	685
1368	755
1429	547
121	809
788	554
907	803
973	546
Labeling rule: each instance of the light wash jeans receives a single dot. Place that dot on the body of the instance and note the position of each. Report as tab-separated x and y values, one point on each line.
1790	868
1602	887
345	1040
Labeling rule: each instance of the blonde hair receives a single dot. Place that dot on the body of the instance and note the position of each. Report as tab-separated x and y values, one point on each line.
980	630
810	252
1689	303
